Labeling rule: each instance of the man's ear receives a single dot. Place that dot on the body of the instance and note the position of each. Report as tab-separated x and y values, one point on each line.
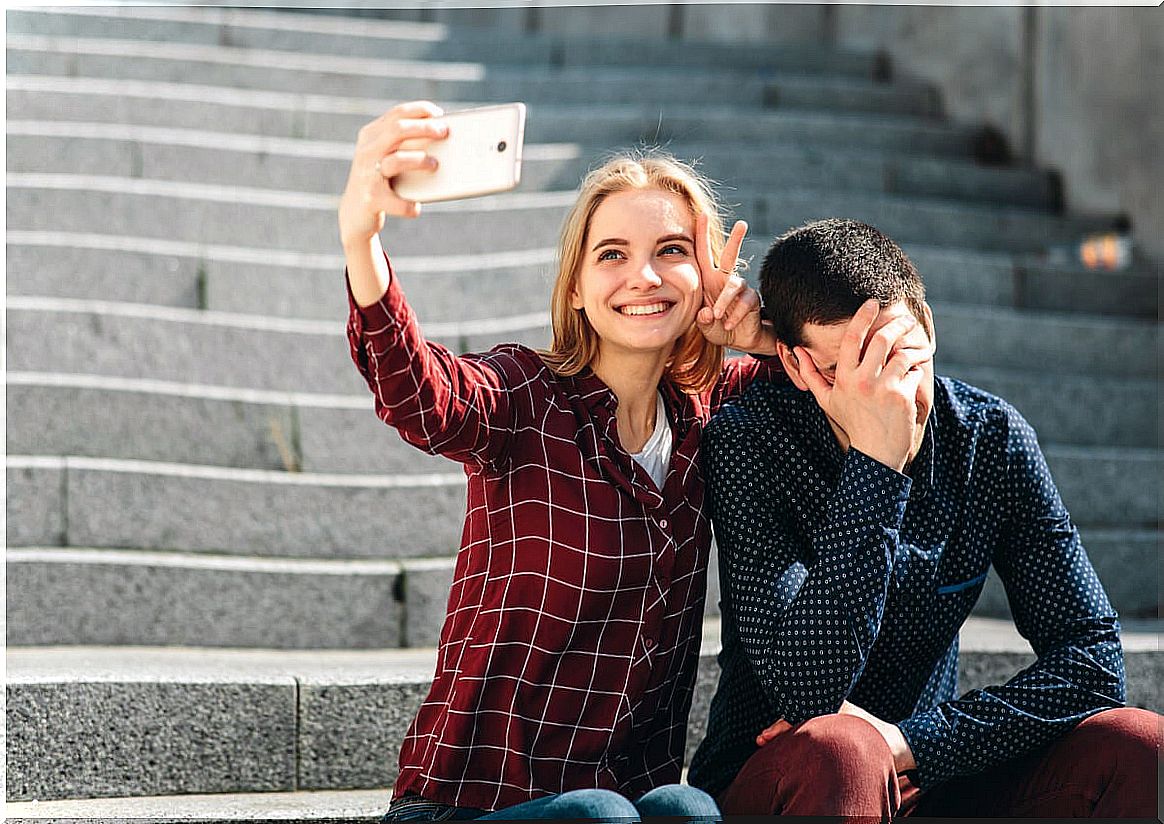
791	365
930	324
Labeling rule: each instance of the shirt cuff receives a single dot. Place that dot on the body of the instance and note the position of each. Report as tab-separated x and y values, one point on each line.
389	312
931	753
871	491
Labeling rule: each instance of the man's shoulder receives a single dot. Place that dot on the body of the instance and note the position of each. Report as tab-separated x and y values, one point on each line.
970	406
764	407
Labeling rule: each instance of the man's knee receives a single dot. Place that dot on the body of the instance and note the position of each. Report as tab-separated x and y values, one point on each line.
1127	738
841	746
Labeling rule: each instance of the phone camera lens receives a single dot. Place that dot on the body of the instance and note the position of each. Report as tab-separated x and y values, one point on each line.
501	146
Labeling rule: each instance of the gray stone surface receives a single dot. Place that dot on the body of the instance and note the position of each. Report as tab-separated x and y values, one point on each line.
350	733
613	124
939	222
507	41
113	598
426	597
323	167
282	220
79	738
71	271
1116	487
149	426
1126	561
332	806
34	505
145	510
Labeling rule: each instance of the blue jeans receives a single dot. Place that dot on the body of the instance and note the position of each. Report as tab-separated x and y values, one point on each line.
675	800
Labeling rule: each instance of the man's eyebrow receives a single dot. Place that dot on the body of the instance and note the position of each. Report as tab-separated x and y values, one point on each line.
610	241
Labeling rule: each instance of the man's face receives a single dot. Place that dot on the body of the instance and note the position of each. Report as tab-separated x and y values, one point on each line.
823	343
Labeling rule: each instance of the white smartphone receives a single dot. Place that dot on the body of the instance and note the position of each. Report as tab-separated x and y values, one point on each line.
481	155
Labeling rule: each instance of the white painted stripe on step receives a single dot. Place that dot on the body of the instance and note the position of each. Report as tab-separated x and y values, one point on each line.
178	248
195	561
198	391
263	197
222	473
255	58
235	142
198	93
255	19
263	323
175	189
459	264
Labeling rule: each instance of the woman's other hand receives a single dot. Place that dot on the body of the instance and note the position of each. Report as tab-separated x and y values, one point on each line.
731	309
379	157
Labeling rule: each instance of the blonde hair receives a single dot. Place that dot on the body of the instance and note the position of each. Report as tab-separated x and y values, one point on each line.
695	363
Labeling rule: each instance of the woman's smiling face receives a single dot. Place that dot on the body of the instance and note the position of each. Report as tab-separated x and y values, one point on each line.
639	282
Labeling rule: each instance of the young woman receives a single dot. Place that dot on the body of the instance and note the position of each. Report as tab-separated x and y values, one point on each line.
567	661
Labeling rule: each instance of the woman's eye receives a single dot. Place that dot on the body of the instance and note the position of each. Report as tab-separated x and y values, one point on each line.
673	249
609	254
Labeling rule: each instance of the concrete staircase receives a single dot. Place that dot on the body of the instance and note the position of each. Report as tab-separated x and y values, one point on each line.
225	576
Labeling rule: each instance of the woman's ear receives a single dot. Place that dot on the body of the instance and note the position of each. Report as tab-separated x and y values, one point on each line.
791	365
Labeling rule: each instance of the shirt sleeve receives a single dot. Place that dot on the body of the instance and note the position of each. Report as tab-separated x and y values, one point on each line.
807	606
1059	606
740	372
444	404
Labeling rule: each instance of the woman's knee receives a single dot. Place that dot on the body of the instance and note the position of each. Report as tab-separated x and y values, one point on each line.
593	803
678	800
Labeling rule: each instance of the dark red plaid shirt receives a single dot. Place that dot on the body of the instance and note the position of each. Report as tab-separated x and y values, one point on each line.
569	653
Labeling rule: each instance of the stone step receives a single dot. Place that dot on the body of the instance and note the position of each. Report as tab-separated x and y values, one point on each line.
189	274
160	598
252	351
134	504
111	503
287	71
303	807
322	166
300	721
147	419
284	31
338	118
305	222
79	596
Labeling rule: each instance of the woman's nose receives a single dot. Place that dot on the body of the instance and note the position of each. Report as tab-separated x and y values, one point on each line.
645	277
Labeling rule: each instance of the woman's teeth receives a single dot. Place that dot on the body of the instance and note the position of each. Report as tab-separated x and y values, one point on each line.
649	309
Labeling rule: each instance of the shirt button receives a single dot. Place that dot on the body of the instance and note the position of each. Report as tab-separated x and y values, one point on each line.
663	523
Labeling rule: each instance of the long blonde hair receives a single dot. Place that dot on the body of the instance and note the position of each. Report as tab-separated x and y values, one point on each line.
695	363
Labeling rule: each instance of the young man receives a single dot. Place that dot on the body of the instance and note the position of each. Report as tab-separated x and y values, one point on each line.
857	512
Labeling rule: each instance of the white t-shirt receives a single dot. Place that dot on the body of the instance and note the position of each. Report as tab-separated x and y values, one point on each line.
655	456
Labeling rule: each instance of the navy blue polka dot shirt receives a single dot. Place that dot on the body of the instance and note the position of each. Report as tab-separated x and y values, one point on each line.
843	579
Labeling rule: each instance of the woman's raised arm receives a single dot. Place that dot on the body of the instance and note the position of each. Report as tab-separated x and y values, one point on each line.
369	197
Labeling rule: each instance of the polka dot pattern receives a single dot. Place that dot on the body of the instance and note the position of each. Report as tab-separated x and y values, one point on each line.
844	579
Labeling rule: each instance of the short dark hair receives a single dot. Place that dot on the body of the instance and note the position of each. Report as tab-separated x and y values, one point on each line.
823	271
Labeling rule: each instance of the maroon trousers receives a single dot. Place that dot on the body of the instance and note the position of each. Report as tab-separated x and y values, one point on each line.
839	765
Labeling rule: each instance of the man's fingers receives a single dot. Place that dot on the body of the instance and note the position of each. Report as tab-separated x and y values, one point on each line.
817	385
853	342
882	342
415	108
399	162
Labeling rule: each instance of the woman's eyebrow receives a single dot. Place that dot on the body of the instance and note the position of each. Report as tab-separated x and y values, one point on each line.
666	238
610	241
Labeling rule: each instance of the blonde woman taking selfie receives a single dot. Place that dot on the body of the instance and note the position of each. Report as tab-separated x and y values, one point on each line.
567	661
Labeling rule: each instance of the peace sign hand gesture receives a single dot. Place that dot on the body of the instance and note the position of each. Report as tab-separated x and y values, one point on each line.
731	309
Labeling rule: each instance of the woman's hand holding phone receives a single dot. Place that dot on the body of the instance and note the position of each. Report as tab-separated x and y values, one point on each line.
369	196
